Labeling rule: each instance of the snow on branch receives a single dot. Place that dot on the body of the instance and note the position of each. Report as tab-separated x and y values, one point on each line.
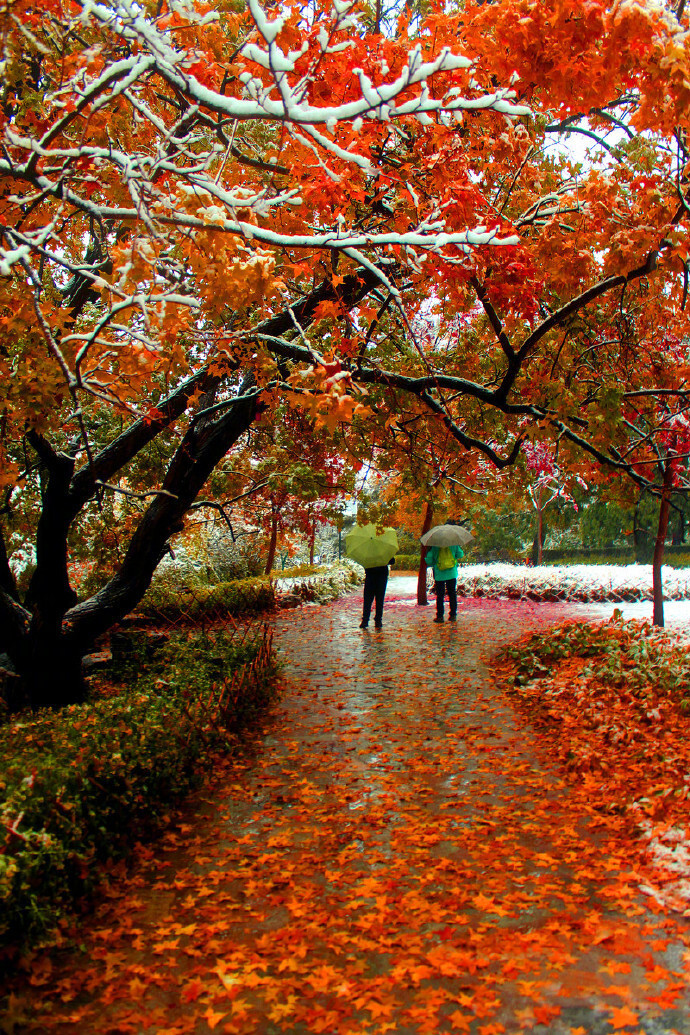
136	137
260	102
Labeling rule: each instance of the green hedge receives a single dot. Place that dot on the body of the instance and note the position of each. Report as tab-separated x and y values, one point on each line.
78	784
674	556
407	562
241	597
298	570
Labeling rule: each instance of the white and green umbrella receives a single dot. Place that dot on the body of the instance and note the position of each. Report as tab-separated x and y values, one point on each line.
447	535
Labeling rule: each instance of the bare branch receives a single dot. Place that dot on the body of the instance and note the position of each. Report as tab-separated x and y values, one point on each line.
135	495
559	127
8	583
494	320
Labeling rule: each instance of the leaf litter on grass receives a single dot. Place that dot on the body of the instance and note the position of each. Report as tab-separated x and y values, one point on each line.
402	853
618	696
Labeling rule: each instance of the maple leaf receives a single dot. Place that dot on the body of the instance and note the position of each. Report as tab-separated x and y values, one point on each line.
622	1016
189	929
622	991
213	1018
381	1008
461	1021
137	988
279	1011
480	901
191	991
668	996
656	973
544	1014
621	967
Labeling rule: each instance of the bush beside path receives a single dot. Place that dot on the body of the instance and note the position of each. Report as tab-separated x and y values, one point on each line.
400	853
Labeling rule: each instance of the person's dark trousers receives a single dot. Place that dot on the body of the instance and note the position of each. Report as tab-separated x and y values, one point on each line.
448	586
375	582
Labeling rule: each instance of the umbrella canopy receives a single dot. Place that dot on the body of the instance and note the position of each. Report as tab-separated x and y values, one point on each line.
367	548
447	535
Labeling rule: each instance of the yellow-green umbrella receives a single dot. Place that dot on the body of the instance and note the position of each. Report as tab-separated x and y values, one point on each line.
364	546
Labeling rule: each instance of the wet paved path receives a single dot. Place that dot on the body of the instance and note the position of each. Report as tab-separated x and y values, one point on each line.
398	855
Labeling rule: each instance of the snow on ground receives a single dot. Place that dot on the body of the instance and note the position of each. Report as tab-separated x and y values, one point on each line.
676	613
603	587
571	582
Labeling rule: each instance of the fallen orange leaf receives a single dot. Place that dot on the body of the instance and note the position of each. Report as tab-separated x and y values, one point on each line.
622	1016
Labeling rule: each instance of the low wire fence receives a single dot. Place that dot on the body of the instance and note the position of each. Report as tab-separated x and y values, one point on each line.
229	703
204	605
209	646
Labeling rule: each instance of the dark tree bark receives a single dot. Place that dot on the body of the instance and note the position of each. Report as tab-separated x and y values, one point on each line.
422	599
48	633
660	544
273	541
51	632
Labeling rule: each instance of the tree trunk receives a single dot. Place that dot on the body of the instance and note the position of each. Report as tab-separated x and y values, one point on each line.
46	638
679	531
312	542
659	546
47	635
275	514
421	577
52	676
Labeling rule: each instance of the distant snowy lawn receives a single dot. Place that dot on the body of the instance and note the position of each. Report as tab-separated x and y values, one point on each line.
589	583
574	582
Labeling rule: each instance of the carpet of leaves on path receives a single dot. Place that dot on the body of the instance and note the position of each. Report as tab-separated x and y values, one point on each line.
399	854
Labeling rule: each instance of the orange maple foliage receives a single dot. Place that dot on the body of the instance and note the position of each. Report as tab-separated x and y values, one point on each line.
205	210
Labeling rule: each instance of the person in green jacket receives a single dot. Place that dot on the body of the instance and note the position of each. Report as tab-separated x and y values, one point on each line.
445	561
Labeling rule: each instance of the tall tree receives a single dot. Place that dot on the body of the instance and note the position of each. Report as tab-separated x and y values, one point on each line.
193	165
203	210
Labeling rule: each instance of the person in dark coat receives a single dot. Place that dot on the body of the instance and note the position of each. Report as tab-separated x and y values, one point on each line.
375	582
